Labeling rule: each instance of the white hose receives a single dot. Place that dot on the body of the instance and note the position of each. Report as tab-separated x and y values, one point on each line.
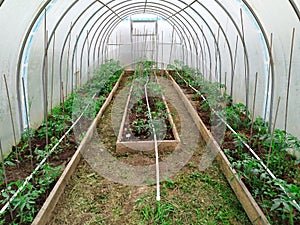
155	145
42	162
245	144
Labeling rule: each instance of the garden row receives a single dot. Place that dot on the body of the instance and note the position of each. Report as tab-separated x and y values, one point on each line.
146	111
276	189
188	196
30	171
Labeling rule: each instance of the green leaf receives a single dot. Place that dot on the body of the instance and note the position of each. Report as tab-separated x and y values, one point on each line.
276	204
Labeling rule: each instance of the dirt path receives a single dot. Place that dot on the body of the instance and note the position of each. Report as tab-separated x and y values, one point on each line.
111	189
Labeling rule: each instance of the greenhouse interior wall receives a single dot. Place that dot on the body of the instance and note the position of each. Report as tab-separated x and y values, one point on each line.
52	43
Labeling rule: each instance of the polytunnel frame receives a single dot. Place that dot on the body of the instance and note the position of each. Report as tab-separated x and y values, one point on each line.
77	38
105	38
67	36
155	12
271	61
271	72
295	8
80	32
225	36
187	22
158	13
177	12
200	28
172	15
46	4
168	18
21	54
94	53
108	30
92	26
245	3
241	35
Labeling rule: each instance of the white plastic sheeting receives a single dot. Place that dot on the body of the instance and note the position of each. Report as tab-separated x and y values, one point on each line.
229	41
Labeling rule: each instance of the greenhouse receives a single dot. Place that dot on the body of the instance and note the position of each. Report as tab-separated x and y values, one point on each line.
150	112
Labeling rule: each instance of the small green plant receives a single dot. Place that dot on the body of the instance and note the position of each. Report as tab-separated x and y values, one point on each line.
160	105
285	203
140	127
158	214
154	89
239	140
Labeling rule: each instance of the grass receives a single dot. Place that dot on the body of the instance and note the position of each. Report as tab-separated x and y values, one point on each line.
191	197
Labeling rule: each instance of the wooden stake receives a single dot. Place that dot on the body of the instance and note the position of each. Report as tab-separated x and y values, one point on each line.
289	81
234	64
273	130
46	81
172	43
5	177
63	108
12	121
52	72
68	62
28	125
253	107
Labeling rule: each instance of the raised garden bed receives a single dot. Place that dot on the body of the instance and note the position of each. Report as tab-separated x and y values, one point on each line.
252	209
245	136
169	186
30	177
189	197
136	133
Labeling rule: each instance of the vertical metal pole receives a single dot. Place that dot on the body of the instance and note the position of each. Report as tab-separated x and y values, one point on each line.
131	38
63	109
205	56
216	59
289	81
116	47
253	107
172	42
225	81
145	42
153	47
245	62
52	72
120	47
77	72
162	49
234	64
46	79
189	62
157	41
12	121
68	63
88	54
268	87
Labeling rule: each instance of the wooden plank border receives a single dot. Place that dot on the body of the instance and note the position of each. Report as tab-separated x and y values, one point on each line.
250	206
45	212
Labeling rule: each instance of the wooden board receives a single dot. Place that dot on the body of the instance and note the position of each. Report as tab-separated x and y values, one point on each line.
145	146
45	212
250	206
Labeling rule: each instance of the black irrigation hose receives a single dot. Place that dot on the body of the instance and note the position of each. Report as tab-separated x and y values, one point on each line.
245	144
